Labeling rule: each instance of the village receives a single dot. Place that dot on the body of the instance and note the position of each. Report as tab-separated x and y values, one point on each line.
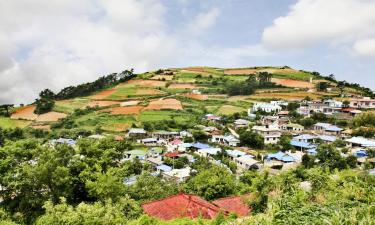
278	144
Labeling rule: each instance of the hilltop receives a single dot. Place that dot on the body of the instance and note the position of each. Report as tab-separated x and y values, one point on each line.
181	95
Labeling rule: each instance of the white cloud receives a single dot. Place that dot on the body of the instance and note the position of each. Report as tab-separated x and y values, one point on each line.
51	44
310	22
365	47
203	21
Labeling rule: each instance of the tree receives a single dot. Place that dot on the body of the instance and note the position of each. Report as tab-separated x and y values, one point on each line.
252	139
43	105
213	183
5	108
322	86
285	142
345	103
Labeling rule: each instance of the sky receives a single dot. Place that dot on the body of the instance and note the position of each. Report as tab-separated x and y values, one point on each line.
56	43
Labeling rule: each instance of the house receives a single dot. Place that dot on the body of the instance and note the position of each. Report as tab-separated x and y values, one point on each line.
303	110
364	103
149	141
167	135
173	145
317	107
199	145
241	123
185	133
181	205
305	138
227	140
172	155
136	133
234	204
266	107
359	142
139	154
163	168
283	114
281	156
65	141
179	175
292	127
247	162
327	138
183	147
301	145
279	103
212	117
208	152
333	103
235	153
270	133
327	128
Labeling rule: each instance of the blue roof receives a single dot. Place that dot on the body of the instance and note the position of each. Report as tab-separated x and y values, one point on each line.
211	151
64	141
235	153
200	145
327	138
305	136
186	145
333	128
301	144
164	168
361	153
312	151
281	156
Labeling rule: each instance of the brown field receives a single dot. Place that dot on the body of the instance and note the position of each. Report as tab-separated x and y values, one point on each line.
129	103
150	83
292	83
93	104
298	95
168	103
145	91
240	71
182	86
128	110
120	127
50	117
161	77
103	94
25	113
196	96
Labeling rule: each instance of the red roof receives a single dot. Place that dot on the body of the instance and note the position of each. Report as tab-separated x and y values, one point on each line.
176	142
181	205
234	204
171	154
347	109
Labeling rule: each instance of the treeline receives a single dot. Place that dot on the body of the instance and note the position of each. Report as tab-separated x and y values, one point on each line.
46	99
248	87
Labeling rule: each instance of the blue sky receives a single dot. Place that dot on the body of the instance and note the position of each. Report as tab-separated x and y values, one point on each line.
52	44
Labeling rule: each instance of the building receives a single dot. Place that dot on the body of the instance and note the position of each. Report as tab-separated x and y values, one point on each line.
308	138
167	135
181	205
149	141
270	133
227	140
292	127
266	107
179	175
327	128
247	162
363	103
281	156
137	133
208	152
235	154
234	204
359	142
241	123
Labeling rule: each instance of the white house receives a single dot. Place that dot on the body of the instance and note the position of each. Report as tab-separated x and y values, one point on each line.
270	133
327	128
360	142
179	175
292	127
241	123
207	152
247	162
225	139
364	103
267	107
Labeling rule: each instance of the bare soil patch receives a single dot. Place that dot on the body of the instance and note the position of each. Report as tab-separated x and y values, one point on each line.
169	103
196	96
182	86
42	127
128	110
25	113
162	77
50	117
103	94
292	83
129	103
93	104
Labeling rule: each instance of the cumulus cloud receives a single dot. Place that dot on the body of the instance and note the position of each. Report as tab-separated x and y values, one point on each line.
203	21
57	43
344	23
365	47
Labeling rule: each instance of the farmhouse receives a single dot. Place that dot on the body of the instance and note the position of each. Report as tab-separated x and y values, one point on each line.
327	128
359	142
292	127
247	162
227	140
364	103
267	107
270	133
179	175
137	133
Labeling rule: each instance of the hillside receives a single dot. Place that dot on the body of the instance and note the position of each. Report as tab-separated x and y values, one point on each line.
179	94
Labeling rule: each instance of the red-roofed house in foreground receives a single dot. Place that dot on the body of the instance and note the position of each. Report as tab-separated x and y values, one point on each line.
235	204
181	205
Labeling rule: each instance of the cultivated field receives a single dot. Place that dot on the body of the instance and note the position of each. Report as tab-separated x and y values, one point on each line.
162	77
168	103
196	96
292	83
127	110
50	117
6	122
25	113
103	94
229	109
182	86
93	104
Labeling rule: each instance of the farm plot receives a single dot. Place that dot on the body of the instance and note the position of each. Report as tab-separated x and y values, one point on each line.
103	94
240	71
181	86
128	110
229	109
125	92
25	113
162	77
147	83
292	83
68	106
129	103
6	122
157	115
168	103
93	104
196	96
50	117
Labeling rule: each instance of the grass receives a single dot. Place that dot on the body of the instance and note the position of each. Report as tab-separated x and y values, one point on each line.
158	115
105	121
6	122
124	92
230	109
68	106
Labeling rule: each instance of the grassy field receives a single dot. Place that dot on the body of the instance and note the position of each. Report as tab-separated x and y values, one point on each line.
105	121
68	106
6	122
230	109
150	116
